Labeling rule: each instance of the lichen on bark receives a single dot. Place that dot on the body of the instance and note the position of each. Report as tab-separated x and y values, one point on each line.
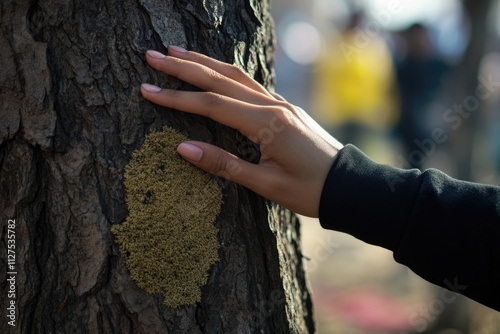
169	238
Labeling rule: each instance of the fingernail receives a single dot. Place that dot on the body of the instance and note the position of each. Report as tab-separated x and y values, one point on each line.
155	54
150	88
177	48
190	152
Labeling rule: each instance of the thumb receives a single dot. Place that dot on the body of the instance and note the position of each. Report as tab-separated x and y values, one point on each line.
216	161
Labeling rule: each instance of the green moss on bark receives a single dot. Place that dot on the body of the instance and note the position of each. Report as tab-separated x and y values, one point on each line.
169	239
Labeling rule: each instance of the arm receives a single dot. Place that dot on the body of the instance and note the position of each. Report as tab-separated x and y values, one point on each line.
445	230
416	215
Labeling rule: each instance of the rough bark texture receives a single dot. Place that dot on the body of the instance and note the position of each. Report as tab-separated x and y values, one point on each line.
70	117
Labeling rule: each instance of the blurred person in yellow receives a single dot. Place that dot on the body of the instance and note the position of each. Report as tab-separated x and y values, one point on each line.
353	91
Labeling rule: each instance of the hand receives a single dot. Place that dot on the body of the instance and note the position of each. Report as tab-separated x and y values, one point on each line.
296	153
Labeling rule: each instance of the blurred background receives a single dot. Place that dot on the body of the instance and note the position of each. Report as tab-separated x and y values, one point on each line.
414	84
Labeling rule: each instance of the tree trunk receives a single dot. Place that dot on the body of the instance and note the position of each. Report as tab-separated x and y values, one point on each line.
70	117
464	83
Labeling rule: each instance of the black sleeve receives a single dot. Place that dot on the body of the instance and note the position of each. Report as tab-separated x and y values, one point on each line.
445	230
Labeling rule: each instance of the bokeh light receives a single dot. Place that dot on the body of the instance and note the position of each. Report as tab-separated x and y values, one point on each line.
301	42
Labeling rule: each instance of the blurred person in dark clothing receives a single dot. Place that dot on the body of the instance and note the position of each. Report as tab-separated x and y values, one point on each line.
419	74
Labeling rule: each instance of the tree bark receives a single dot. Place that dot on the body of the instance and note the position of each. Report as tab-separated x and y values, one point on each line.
70	117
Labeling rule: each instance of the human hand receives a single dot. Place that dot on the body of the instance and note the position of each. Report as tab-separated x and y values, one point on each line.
296	153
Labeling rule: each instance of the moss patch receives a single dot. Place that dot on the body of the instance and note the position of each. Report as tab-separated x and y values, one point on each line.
169	239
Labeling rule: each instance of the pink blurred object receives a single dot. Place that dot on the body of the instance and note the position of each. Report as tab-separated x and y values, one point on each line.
367	309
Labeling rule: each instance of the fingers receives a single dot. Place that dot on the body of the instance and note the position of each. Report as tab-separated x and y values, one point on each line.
278	97
207	78
270	181
216	161
222	109
231	97
227	70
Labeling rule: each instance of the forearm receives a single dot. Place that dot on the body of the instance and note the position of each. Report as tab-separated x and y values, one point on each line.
419	217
